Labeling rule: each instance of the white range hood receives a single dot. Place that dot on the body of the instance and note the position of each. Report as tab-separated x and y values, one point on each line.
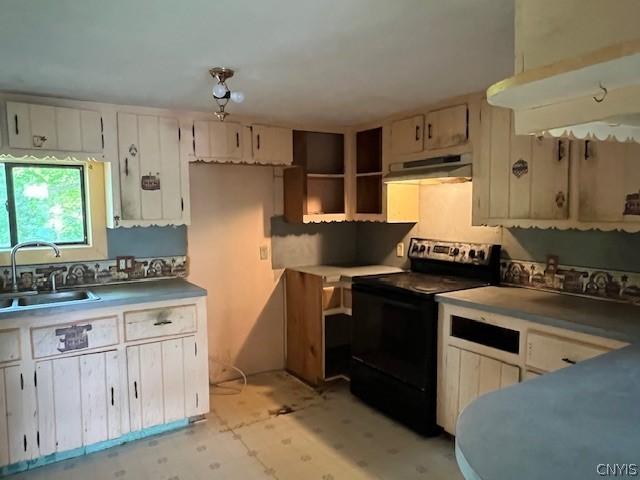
594	96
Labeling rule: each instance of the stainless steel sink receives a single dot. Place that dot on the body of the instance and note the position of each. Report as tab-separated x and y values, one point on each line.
45	299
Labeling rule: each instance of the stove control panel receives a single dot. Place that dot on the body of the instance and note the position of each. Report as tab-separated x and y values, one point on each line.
458	252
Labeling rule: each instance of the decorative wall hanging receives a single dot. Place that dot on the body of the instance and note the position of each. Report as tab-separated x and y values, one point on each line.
221	93
150	182
632	204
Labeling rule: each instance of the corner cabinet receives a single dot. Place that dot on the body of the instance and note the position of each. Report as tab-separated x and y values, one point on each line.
87	380
153	179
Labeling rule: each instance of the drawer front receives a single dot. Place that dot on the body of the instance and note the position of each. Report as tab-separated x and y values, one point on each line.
159	322
77	336
9	345
330	298
549	353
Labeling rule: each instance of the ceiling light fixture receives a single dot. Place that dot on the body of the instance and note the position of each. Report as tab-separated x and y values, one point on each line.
221	93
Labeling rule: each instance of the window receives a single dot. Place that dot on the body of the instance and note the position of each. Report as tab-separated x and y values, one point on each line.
44	202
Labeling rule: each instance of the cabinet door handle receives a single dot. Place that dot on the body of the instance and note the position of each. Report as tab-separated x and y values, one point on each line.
126	166
237	140
135	389
163	322
24	441
561	152
429	132
113	402
258	142
15	119
417	132
569	361
587	149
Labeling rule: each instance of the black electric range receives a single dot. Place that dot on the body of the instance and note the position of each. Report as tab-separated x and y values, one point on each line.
395	326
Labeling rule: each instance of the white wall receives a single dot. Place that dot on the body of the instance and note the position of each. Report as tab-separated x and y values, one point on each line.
231	206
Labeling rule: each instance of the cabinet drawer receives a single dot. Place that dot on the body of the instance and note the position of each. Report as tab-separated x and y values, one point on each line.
83	335
158	322
549	353
330	298
9	345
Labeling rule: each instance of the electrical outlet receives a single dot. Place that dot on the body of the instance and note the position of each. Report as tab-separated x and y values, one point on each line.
400	249
264	252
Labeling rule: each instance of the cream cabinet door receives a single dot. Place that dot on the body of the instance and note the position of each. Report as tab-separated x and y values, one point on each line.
272	145
159	391
79	401
469	375
407	135
19	125
609	181
15	422
218	141
150	173
69	129
550	178
43	127
447	127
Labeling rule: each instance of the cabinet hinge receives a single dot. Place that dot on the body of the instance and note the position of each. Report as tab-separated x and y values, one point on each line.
193	135
195	345
21	382
38	438
182	203
35	379
179	134
24	441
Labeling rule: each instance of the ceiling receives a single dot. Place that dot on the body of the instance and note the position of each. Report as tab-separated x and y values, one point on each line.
339	62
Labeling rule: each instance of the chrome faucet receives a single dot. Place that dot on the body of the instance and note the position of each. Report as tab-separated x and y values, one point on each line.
14	250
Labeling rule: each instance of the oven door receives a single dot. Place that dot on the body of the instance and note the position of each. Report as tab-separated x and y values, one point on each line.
396	334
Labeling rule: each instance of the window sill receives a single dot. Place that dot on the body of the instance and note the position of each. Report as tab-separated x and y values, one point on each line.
70	253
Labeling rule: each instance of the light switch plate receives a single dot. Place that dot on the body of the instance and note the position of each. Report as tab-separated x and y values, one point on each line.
400	249
264	252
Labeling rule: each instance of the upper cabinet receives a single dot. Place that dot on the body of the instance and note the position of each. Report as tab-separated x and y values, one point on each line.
447	127
218	140
272	145
546	182
151	173
45	127
407	135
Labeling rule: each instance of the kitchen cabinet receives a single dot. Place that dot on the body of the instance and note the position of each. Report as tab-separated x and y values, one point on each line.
158	390
315	187
407	135
78	401
46	127
318	327
519	176
548	353
218	141
447	127
150	169
16	424
272	145
469	375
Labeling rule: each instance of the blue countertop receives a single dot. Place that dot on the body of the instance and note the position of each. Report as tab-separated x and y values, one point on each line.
567	425
614	320
119	294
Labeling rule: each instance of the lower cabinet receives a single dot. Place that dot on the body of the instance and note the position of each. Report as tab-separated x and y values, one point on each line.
14	415
78	401
469	375
159	392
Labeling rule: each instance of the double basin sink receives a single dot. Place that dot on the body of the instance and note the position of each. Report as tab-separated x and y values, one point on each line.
30	300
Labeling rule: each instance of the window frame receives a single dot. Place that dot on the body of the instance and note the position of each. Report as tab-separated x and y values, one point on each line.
11	202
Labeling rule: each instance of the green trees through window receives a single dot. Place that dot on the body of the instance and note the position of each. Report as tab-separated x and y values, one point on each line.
44	202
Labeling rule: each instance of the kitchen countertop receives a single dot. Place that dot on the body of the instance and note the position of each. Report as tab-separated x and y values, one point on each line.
119	294
561	425
617	321
331	273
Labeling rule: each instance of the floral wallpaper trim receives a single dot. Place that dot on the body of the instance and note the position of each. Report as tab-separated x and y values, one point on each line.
99	272
597	283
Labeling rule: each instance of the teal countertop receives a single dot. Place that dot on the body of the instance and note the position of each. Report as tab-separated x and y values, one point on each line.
568	424
119	294
614	320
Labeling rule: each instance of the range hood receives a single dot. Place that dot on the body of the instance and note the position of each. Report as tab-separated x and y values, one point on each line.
594	96
449	169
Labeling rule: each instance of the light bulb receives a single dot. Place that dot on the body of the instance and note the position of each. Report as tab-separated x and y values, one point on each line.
219	90
237	97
